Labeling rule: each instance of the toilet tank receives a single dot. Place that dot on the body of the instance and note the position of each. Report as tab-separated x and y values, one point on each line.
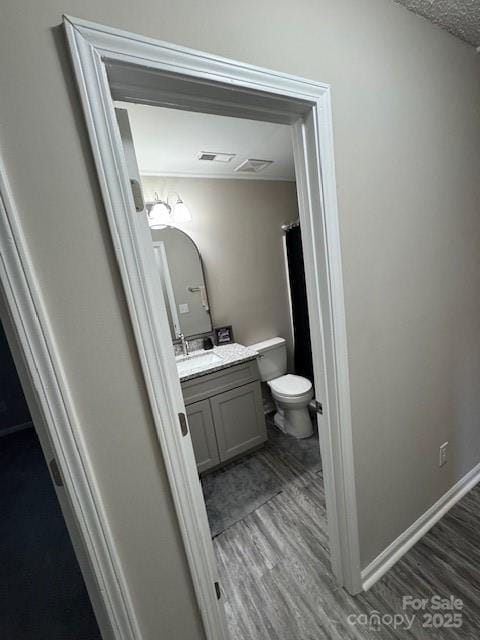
272	360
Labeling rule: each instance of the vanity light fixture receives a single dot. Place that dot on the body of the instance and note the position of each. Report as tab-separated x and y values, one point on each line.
162	213
181	213
158	213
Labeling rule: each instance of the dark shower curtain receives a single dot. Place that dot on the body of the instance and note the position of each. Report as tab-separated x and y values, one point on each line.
301	328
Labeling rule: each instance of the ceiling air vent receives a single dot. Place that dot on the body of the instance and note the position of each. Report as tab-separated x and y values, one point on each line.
211	156
253	166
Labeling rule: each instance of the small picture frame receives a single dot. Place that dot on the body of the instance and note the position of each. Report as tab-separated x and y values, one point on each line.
223	335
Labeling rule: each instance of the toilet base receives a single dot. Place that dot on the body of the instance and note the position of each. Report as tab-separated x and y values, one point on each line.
294	422
279	421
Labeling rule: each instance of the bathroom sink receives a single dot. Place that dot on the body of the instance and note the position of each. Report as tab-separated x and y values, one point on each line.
197	361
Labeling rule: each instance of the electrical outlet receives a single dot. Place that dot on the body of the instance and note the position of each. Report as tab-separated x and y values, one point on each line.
443	457
3	406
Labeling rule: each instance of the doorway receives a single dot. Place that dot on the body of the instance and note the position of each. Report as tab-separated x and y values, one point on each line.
238	320
172	76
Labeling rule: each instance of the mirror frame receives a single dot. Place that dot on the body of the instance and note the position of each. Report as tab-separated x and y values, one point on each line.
192	336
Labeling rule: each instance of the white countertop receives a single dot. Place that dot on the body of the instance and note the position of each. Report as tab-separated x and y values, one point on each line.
229	354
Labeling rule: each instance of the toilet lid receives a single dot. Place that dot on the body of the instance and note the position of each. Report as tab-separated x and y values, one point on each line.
291	385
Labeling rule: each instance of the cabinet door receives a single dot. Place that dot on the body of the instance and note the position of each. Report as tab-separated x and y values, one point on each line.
239	420
202	433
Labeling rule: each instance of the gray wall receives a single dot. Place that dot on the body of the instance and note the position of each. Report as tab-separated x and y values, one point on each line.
236	225
406	102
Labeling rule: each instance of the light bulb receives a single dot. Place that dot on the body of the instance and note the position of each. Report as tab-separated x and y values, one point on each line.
181	212
159	216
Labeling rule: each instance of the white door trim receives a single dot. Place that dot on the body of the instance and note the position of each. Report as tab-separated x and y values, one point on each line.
97	51
57	425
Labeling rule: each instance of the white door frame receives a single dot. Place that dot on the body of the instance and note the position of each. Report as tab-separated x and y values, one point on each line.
136	68
20	351
44	384
233	88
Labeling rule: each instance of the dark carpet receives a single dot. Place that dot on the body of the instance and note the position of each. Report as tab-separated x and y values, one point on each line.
234	491
42	592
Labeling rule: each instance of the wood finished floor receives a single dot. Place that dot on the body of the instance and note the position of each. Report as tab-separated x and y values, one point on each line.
276	578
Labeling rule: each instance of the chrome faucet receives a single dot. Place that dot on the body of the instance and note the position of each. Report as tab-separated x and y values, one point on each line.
185	347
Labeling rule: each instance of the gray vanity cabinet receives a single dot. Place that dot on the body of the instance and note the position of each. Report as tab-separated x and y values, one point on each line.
239	420
225	413
202	432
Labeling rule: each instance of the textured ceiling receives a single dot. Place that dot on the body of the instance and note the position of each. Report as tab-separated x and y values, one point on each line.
460	17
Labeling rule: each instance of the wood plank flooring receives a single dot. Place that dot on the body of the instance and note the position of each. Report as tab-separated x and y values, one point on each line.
276	578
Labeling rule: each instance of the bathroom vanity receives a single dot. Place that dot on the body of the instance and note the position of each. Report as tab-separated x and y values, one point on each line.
224	406
221	387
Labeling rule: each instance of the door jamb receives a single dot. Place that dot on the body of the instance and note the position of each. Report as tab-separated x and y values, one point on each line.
38	423
44	383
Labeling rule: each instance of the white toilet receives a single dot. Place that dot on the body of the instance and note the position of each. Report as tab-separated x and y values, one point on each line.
290	393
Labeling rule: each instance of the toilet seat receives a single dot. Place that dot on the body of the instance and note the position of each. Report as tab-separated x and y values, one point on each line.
290	386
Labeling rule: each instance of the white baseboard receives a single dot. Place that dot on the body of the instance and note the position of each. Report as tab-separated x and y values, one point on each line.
405	541
14	429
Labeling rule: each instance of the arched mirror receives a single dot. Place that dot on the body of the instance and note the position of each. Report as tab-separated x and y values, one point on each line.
183	282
